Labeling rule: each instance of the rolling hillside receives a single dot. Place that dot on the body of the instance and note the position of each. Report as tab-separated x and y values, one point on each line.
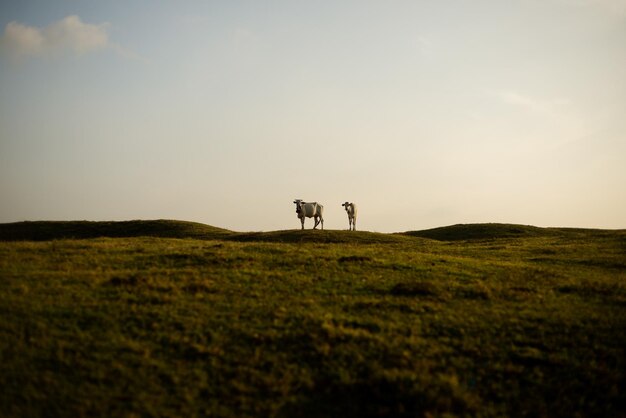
490	231
168	319
51	230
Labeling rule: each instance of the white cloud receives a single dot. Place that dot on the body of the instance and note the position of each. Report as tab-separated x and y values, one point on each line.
531	103
556	118
22	39
66	35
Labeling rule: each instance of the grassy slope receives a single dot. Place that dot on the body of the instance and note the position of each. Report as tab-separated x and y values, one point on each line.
46	230
463	232
312	323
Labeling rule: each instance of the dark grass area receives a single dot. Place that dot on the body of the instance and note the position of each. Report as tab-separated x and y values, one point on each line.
50	230
463	232
313	324
318	236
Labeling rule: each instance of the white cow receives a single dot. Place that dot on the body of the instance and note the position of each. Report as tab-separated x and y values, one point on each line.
310	210
351	211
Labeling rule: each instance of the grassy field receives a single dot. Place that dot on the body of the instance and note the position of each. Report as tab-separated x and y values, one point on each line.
177	319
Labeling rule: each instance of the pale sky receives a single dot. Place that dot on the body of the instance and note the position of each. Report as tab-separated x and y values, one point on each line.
423	113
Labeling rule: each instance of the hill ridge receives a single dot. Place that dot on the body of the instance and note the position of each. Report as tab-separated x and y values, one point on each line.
164	228
486	231
50	230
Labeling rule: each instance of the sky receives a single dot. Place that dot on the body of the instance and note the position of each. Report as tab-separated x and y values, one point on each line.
423	113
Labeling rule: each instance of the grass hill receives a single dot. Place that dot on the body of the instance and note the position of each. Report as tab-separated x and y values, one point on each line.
461	232
49	230
484	320
54	230
318	236
489	231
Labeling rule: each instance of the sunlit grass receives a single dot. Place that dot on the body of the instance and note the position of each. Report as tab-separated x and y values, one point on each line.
315	323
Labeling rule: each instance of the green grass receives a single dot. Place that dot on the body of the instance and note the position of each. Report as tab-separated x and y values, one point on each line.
163	318
46	230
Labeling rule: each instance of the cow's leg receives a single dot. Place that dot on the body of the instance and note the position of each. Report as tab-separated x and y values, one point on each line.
302	222
322	221
317	221
354	224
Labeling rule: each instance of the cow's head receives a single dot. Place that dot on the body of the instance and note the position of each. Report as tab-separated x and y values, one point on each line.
299	204
346	205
